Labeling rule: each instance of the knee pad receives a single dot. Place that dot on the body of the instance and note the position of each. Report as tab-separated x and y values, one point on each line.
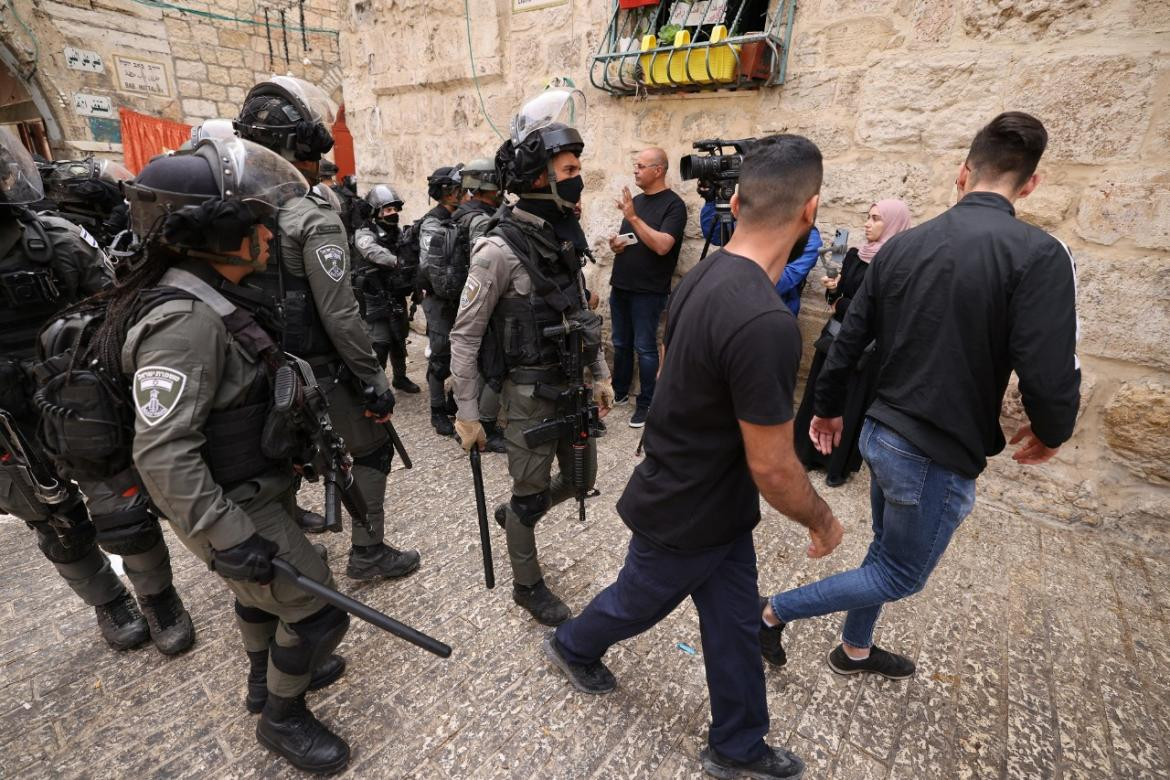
319	634
379	460
439	366
72	539
529	509
128	532
253	614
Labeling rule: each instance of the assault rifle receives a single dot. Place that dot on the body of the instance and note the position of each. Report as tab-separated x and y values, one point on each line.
34	471
577	416
299	397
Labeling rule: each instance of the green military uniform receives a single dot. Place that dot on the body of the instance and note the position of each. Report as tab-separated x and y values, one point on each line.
476	216
192	382
384	312
328	332
37	280
440	312
497	277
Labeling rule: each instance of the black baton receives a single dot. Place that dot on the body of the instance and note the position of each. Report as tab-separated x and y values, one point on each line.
360	610
397	442
485	538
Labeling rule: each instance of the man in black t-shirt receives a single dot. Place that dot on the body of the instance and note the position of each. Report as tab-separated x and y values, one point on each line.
719	435
641	276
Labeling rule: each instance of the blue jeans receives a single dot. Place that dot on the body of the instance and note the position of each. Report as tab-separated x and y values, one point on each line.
917	505
722	582
635	319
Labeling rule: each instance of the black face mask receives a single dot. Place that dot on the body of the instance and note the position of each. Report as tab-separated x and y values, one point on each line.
388	223
571	189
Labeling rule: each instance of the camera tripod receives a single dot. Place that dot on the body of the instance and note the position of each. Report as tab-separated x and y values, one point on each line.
725	225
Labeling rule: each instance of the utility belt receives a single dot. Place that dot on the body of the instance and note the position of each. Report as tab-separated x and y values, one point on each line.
553	375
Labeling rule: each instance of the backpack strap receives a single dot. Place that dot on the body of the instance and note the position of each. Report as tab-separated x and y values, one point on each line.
240	323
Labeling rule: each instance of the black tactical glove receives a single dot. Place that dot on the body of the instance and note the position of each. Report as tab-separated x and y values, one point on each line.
381	405
249	560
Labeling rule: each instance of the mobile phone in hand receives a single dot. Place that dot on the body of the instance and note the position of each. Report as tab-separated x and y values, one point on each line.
627	239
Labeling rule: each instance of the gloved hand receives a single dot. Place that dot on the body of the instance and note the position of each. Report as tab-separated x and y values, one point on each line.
470	433
249	560
706	191
379	406
603	393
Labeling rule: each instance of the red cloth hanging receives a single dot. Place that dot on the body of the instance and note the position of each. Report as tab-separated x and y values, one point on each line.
343	147
627	4
144	137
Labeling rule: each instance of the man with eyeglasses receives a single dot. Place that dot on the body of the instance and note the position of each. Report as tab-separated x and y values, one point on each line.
642	270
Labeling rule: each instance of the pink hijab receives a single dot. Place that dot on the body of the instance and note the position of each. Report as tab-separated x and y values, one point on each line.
895	218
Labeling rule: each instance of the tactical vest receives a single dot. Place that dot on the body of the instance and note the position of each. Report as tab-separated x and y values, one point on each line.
29	289
445	258
291	304
87	415
518	323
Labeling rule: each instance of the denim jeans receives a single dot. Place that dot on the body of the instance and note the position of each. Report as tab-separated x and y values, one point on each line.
635	319
916	505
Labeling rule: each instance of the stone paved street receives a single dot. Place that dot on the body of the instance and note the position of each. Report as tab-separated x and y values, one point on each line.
1042	652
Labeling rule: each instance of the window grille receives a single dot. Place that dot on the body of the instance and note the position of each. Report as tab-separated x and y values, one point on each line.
713	46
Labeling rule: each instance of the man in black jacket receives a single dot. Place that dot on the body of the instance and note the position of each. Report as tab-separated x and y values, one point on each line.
956	305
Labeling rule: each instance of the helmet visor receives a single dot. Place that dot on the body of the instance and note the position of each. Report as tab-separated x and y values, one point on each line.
560	105
320	107
383	195
256	175
20	181
113	172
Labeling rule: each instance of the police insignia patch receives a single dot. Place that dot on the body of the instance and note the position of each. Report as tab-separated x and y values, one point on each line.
470	292
332	259
156	392
87	238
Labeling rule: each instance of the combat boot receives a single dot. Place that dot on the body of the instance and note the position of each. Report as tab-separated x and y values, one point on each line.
288	729
441	422
495	438
314	523
541	602
170	624
401	380
326	673
122	625
380	561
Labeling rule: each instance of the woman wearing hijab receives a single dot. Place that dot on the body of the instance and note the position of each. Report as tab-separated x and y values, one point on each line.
886	219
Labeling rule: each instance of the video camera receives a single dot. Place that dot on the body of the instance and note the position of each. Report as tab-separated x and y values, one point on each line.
716	170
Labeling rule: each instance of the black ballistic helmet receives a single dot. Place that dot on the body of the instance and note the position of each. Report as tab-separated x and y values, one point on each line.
544	127
289	116
444	181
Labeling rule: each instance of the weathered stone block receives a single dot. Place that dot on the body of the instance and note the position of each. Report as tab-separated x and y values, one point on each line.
214	91
198	109
856	185
183	49
852	41
187	69
934	20
1027	19
1095	108
218	75
230	58
1047	206
232	38
1137	429
188	88
1124	308
1136	208
934	103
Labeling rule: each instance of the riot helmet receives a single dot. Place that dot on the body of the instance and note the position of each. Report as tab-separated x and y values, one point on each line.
289	116
480	175
91	184
206	201
20	181
326	193
444	182
212	128
383	196
328	169
545	126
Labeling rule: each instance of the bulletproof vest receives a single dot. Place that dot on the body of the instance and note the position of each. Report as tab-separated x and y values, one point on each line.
292	309
87	415
518	323
30	292
445	256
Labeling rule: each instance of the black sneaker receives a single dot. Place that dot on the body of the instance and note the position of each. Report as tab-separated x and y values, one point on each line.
441	422
122	625
541	603
621	400
170	625
380	561
771	646
314	523
588	678
404	384
775	763
638	419
889	665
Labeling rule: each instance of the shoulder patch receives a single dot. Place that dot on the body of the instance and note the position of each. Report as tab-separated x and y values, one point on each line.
325	230
332	259
156	392
87	238
470	292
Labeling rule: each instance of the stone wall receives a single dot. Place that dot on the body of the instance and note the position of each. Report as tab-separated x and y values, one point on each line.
205	56
893	91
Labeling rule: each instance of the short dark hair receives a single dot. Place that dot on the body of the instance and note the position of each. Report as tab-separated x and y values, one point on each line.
778	175
1009	145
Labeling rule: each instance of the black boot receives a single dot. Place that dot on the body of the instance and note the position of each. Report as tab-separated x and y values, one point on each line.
401	380
326	673
380	561
541	602
495	438
313	523
170	624
288	729
441	422
122	625
404	384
